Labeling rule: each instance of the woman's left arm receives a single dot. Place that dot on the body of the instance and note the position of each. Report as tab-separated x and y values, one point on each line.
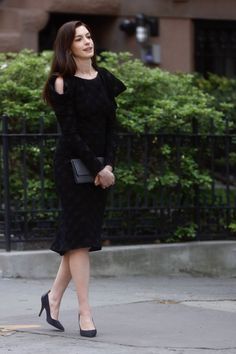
111	142
114	87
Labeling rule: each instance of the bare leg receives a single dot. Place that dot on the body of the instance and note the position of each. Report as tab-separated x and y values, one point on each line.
59	286
80	270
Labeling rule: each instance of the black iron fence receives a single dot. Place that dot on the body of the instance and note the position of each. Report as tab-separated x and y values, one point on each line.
170	186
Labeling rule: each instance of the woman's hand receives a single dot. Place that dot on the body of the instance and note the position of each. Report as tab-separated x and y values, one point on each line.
105	178
109	167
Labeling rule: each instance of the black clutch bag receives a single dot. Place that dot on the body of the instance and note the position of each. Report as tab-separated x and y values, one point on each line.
80	171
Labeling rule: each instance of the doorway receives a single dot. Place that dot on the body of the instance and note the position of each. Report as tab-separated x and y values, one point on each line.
101	27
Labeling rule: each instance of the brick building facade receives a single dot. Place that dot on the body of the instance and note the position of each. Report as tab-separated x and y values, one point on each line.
192	35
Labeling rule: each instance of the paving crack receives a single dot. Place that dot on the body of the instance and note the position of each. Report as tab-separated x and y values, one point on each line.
170	301
125	345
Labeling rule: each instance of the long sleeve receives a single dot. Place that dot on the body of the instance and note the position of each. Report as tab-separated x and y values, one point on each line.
63	105
114	87
111	141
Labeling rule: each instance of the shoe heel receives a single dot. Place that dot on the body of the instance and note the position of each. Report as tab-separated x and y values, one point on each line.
49	319
40	312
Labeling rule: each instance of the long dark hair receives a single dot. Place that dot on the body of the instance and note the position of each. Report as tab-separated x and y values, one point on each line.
63	63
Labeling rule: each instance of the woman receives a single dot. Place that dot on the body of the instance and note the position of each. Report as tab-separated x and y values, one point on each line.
83	98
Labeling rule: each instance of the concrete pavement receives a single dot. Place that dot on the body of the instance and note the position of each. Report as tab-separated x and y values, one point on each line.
133	314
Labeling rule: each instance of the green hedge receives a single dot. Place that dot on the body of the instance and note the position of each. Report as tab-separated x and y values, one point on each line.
155	98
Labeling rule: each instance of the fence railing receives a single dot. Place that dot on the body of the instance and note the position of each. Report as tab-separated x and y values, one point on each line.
163	192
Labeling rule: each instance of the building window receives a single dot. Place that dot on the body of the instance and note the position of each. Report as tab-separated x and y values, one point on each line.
215	47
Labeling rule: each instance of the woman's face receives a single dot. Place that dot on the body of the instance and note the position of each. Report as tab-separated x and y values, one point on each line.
82	46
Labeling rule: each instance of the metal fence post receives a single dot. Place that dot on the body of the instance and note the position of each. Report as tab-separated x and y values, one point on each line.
6	187
196	187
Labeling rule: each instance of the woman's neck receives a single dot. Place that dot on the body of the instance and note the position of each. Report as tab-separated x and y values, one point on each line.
84	68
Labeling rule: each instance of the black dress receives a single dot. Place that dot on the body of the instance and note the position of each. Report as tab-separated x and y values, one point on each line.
86	115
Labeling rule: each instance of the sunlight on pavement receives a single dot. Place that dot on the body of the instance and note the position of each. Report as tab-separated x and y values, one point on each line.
7	330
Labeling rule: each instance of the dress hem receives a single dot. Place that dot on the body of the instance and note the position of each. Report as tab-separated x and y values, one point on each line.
63	252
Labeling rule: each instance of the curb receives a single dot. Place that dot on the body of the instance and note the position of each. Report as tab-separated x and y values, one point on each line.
203	258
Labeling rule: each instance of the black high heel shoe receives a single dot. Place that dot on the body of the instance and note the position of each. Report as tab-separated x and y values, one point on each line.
87	332
50	320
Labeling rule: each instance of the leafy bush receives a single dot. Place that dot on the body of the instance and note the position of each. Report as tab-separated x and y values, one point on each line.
158	100
22	77
224	92
152	97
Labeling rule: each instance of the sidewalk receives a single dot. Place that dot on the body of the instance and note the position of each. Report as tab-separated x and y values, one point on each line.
133	315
